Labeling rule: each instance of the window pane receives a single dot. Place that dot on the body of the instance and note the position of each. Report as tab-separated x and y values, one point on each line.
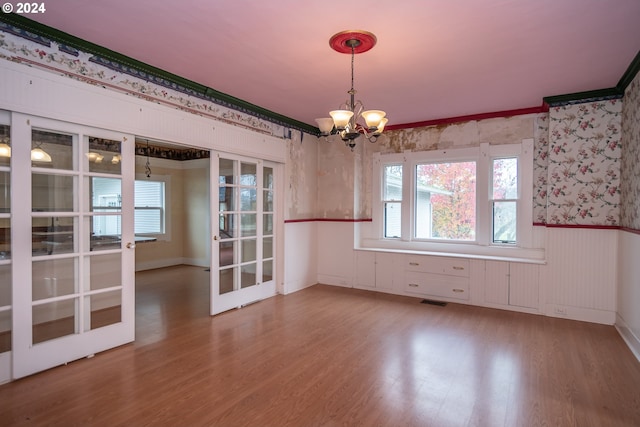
248	197
392	219
227	224
227	278
105	271
505	178
149	207
267	247
227	253
392	185
226	171
5	331
248	225
226	199
504	222
148	221
53	278
5	238
248	250
248	275
267	174
267	270
445	201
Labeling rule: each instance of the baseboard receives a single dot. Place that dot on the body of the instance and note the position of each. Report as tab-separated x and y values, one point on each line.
603	317
292	287
628	336
334	280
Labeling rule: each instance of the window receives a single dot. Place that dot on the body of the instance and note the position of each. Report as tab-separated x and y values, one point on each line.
149	207
468	201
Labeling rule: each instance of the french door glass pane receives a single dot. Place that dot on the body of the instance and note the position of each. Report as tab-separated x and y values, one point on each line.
5	286
267	247
105	194
52	193
267	270
5	151
5	331
104	271
105	232
5	238
105	309
267	201
227	253
248	197
227	172
104	156
248	225
248	273
5	192
267	178
226	199
248	250
227	279
53	235
51	150
227	225
267	224
54	320
53	278
248	174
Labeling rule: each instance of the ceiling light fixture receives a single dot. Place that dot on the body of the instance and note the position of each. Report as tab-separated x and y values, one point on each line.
345	120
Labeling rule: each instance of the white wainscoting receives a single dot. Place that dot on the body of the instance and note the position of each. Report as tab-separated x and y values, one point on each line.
580	275
301	255
628	316
336	257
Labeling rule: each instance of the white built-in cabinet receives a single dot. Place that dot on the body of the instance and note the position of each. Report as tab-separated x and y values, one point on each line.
500	284
511	284
375	270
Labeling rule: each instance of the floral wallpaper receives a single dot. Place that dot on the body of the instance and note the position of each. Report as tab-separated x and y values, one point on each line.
630	167
540	168
22	47
584	159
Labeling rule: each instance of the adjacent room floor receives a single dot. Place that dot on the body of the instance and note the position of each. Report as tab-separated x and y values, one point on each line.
334	356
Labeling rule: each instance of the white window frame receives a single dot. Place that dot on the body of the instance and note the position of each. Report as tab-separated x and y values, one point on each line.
166	236
483	245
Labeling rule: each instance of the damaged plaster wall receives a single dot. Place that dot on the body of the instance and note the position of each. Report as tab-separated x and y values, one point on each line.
301	177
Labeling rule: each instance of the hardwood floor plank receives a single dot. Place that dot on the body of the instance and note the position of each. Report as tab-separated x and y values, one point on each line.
328	356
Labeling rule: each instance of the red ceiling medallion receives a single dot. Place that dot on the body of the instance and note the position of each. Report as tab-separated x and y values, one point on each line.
360	41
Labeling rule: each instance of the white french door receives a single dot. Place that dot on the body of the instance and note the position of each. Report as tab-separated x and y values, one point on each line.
243	249
72	242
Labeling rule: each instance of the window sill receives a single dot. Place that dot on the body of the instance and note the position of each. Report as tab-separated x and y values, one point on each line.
456	250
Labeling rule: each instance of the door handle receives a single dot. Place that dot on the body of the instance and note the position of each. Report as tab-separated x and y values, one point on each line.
215	237
131	245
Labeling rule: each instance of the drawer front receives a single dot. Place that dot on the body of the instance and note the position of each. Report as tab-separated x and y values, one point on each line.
438	265
437	285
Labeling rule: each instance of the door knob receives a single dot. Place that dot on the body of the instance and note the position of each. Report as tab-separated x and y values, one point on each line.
131	245
215	237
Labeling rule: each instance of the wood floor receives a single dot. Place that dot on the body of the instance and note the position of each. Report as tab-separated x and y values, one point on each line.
329	356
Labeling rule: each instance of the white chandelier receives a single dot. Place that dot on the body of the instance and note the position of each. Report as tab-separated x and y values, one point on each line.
345	120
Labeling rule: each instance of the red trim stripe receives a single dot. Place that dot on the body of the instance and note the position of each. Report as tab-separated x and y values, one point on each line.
482	116
289	221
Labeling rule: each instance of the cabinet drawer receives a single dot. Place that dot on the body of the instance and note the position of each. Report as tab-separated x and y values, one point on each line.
438	265
438	285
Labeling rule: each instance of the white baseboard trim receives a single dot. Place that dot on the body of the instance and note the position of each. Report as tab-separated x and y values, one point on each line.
196	262
296	286
335	280
628	336
603	317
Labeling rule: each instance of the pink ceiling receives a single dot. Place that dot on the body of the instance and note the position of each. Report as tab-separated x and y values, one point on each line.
434	58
